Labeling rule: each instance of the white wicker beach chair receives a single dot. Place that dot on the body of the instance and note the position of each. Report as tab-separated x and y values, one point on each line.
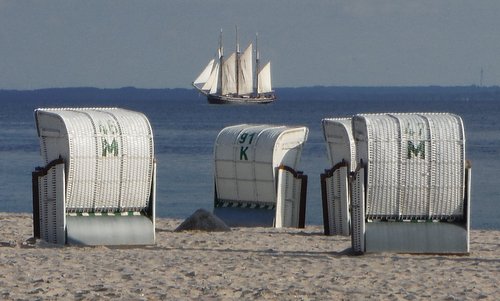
411	190
334	181
256	182
99	180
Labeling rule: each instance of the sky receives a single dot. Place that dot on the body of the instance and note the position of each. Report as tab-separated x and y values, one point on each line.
166	44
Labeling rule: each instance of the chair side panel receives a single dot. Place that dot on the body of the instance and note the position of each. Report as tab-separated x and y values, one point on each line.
109	156
415	165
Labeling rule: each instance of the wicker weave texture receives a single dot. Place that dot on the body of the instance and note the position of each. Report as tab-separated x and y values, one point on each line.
109	153
415	163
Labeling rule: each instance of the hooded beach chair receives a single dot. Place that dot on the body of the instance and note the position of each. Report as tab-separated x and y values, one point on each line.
334	181
411	189
98	182
256	177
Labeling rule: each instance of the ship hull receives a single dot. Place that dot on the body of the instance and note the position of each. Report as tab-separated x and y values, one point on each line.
221	99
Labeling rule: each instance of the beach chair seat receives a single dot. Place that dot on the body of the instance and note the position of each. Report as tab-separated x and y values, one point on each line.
411	188
98	182
256	177
335	195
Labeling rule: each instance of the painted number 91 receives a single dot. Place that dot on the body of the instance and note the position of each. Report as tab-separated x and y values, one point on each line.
244	137
243	140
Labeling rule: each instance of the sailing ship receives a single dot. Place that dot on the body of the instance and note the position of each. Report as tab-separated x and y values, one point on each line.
236	79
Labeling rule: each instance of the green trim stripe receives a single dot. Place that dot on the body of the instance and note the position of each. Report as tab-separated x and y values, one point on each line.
126	213
244	205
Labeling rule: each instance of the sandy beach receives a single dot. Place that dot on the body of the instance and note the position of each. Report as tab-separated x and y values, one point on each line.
244	264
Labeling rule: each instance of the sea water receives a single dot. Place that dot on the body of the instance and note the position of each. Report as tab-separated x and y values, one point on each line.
185	131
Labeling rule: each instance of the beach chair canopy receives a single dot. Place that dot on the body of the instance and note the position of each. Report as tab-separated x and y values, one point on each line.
107	160
340	145
411	193
254	167
341	151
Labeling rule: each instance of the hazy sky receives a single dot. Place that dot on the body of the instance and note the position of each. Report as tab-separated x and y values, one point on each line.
166	44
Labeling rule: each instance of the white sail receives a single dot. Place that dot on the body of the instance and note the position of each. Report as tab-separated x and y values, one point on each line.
212	84
245	76
265	79
200	81
229	75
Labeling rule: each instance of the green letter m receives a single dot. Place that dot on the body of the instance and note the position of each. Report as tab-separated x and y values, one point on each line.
109	148
415	150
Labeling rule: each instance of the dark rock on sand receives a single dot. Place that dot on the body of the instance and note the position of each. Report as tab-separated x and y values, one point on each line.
203	220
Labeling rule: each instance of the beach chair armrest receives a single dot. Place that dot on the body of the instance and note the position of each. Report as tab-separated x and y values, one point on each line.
290	198
336	199
358	196
49	192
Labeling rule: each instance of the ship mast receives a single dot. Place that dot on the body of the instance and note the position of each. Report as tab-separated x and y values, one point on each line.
221	58
237	63
256	64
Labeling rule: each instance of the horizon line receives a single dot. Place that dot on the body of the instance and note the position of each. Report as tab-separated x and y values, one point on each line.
277	88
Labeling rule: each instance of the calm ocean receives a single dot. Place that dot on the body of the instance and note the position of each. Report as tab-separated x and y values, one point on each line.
185	131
